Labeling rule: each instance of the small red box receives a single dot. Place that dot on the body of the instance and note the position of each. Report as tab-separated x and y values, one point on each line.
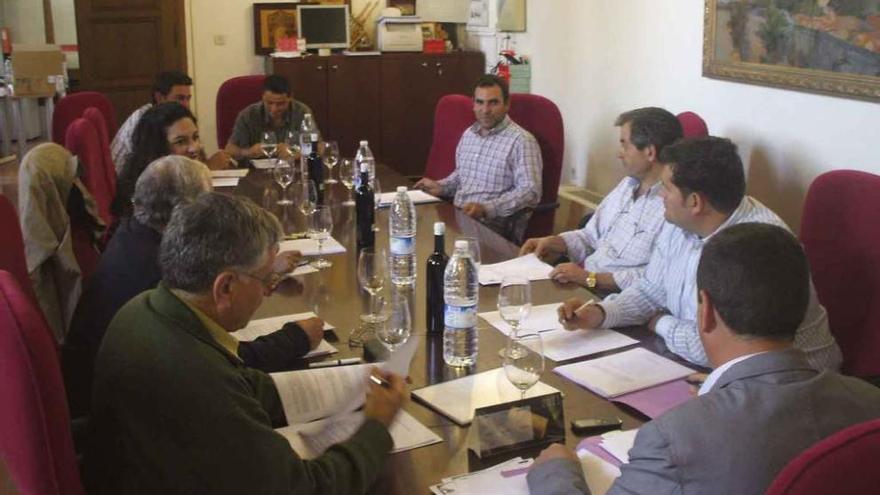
434	46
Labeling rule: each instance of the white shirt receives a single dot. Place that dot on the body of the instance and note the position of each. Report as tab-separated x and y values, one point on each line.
620	236
670	283
717	372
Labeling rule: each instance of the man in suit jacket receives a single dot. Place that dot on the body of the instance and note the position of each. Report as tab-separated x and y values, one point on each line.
175	410
761	406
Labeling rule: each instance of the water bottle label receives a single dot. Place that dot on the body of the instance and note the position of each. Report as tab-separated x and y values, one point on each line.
403	245
460	316
306	148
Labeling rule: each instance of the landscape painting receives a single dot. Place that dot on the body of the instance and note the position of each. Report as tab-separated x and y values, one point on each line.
827	46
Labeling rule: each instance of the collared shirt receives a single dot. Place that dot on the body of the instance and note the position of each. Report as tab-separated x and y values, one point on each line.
670	282
620	235
218	333
254	120
717	372
501	171
120	148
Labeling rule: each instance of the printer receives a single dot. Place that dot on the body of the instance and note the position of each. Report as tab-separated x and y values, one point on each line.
399	34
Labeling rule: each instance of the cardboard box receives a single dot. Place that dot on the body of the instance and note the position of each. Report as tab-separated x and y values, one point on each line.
36	68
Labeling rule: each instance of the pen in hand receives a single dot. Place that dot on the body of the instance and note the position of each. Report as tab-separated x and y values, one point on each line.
378	380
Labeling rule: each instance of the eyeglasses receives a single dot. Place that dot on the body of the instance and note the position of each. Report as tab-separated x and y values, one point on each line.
269	283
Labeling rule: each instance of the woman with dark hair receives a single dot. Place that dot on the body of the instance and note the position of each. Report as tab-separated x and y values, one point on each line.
166	129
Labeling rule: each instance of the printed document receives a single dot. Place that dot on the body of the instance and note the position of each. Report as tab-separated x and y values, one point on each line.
528	266
623	372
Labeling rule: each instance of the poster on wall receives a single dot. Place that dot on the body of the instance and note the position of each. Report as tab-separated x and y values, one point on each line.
478	16
827	46
511	16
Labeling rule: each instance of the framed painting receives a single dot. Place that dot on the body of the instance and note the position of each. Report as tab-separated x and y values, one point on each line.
824	46
273	21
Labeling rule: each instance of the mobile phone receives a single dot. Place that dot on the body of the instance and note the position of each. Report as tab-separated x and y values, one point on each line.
592	426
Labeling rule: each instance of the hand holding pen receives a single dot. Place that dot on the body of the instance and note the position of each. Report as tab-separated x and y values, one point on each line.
386	393
576	314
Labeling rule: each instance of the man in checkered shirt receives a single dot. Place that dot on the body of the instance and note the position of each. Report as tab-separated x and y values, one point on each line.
497	175
611	251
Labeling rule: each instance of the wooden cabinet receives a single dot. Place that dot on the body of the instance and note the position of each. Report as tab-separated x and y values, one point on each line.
387	99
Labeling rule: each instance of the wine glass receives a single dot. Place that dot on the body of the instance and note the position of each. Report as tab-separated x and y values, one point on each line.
524	360
292	141
372	269
346	175
269	144
320	225
308	197
283	174
331	158
514	302
396	329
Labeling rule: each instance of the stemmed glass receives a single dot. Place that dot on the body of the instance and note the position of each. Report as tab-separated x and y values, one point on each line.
372	268
269	144
346	175
524	360
331	158
514	303
320	225
308	197
283	174
292	141
396	329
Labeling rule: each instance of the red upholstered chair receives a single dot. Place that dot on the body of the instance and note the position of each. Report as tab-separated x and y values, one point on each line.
840	230
97	119
235	94
846	463
12	258
453	114
83	141
72	106
693	125
35	437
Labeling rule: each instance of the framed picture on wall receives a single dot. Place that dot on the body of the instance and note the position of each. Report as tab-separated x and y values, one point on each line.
511	16
273	21
830	47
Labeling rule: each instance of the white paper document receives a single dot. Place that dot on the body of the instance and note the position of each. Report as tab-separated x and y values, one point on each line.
599	473
418	197
618	443
317	393
231	172
265	326
624	372
301	270
263	163
496	479
224	181
457	399
309	247
528	266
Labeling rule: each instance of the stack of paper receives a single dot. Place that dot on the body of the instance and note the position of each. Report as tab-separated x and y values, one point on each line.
265	326
309	247
508	478
560	344
528	266
418	197
264	163
227	178
457	399
617	443
624	372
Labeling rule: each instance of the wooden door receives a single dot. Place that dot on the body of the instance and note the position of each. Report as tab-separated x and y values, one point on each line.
353	101
308	83
124	43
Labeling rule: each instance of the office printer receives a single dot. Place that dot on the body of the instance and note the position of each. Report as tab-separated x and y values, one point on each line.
399	34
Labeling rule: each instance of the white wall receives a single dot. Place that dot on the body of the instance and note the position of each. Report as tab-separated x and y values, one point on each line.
597	58
24	18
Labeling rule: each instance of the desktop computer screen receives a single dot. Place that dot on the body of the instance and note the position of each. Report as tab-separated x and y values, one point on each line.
323	26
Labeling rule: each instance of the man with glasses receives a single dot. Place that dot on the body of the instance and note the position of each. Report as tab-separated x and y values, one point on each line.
703	193
174	408
611	251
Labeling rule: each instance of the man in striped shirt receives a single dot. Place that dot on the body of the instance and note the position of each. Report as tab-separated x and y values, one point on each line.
497	175
703	193
610	253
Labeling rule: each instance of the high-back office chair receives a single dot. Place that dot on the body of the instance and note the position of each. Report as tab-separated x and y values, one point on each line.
72	106
692	125
12	257
235	94
35	436
846	463
840	229
453	114
83	140
97	119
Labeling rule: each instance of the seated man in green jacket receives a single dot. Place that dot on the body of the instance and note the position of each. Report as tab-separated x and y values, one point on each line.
174	408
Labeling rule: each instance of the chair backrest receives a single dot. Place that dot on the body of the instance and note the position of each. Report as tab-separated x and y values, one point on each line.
235	94
693	125
840	229
72	106
35	437
452	115
542	118
12	258
83	140
97	119
847	462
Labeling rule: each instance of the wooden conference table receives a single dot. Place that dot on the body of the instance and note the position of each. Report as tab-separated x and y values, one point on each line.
334	295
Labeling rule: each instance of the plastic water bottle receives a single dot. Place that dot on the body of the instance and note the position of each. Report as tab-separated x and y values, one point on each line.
364	155
402	231
460	292
306	129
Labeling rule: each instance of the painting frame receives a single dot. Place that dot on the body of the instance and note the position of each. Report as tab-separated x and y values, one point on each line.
822	81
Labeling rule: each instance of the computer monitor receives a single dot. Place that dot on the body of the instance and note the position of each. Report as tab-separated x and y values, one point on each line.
323	26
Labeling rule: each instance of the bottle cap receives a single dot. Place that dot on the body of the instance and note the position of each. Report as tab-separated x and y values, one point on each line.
461	244
439	228
364	142
401	189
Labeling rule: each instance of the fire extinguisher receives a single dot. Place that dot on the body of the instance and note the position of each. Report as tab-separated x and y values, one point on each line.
502	68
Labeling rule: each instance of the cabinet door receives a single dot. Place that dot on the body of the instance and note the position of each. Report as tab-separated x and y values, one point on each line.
353	103
308	83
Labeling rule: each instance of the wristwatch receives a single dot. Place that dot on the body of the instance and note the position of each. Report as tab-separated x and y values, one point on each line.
591	280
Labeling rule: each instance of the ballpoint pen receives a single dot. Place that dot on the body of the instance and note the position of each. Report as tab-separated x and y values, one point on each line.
378	380
336	362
